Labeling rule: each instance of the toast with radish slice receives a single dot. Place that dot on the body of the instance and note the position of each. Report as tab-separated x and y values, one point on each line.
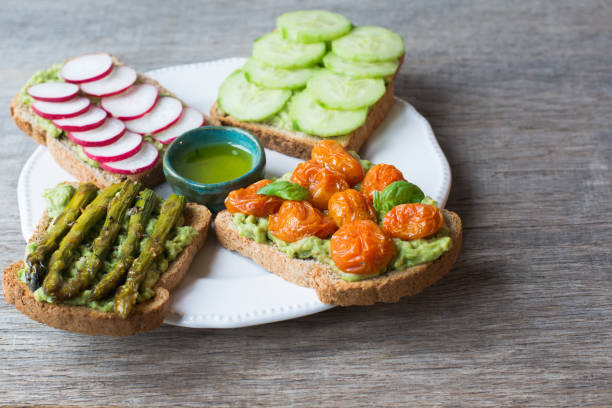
102	121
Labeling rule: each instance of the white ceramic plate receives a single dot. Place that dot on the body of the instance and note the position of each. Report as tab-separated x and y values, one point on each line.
222	288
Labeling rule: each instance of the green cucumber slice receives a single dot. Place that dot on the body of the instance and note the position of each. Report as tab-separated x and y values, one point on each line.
337	91
276	78
272	49
369	44
358	69
312	118
249	102
310	26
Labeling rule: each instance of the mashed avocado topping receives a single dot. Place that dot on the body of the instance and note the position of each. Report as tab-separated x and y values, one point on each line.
180	238
46	75
281	120
57	198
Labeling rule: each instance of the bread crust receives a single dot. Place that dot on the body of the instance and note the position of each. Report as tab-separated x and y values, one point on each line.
330	289
64	153
79	319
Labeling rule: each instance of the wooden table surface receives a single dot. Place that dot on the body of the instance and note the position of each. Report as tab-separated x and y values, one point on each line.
519	94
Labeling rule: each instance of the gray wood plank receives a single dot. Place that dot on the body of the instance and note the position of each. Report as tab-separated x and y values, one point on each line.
519	95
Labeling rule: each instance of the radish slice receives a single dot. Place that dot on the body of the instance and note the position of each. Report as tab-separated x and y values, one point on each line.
165	113
60	110
131	104
117	81
111	130
85	68
190	119
91	119
53	91
127	145
141	161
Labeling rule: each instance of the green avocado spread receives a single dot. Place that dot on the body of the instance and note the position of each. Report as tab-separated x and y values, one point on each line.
57	198
46	75
408	253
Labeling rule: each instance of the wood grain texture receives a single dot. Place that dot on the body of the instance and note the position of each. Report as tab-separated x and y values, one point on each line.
519	95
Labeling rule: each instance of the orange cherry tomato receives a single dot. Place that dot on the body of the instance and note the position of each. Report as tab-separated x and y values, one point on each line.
333	156
299	219
379	177
320	181
247	201
361	247
350	205
412	221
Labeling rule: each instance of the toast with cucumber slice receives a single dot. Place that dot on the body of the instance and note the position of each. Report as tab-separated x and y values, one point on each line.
102	121
314	77
106	262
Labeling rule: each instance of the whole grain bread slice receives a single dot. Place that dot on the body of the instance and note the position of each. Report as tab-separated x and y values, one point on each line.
79	319
330	288
64	151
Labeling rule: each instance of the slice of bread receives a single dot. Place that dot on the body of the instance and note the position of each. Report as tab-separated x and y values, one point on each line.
330	288
79	319
299	144
64	151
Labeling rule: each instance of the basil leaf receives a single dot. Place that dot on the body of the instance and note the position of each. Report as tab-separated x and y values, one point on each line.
396	193
285	190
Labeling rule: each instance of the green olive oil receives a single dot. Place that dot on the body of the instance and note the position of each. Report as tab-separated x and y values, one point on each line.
214	163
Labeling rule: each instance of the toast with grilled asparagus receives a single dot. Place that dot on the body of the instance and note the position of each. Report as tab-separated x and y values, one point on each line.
315	76
356	232
105	262
102	121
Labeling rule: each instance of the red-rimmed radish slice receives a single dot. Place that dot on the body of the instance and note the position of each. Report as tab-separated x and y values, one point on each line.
91	119
61	110
120	79
127	145
137	101
144	160
190	119
166	112
110	131
85	68
53	91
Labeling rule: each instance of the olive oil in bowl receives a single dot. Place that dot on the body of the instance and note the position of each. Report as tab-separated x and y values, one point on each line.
214	163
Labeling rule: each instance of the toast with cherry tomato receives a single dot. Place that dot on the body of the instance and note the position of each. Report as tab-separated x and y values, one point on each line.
356	233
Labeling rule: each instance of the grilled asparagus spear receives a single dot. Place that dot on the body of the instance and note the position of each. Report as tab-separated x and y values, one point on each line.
103	242
61	258
171	212
138	221
36	269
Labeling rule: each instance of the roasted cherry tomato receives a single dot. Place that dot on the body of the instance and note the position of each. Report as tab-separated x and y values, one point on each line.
361	247
320	181
247	201
333	156
350	205
379	177
412	221
299	219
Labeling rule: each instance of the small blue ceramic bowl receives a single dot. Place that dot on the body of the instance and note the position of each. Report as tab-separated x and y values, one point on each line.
213	195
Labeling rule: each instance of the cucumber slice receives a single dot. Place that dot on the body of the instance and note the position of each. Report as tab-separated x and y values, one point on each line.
272	49
337	91
358	69
276	78
309	26
369	44
312	118
246	101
